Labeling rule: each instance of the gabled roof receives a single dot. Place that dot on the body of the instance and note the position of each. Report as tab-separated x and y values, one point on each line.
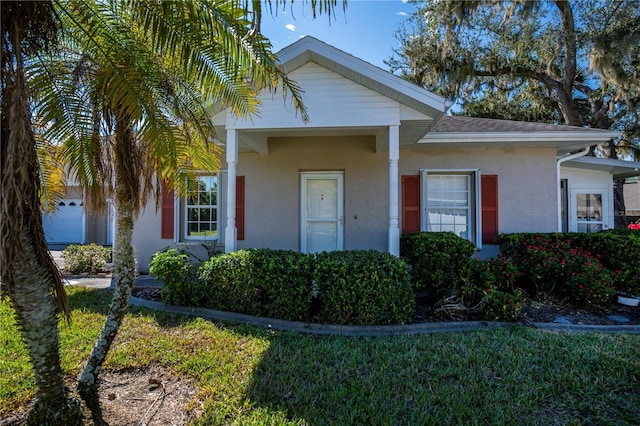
473	132
309	49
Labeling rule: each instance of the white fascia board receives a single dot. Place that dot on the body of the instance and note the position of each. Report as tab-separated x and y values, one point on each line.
588	137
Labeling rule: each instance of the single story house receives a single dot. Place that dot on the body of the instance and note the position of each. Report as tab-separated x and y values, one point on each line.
378	158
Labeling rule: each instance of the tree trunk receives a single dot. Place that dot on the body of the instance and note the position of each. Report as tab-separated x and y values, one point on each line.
29	275
123	276
619	209
36	316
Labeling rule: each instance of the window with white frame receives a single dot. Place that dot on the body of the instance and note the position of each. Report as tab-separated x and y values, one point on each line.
589	212
450	202
201	210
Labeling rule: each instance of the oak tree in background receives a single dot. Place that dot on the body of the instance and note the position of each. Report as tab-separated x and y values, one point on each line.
567	62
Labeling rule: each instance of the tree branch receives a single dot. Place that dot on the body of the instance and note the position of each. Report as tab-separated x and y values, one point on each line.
569	41
522	72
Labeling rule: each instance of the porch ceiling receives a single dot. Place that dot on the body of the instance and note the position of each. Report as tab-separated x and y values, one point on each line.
257	140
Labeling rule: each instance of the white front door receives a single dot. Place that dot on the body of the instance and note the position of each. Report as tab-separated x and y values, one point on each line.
322	211
590	207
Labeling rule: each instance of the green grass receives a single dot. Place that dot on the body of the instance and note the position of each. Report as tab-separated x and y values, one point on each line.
248	375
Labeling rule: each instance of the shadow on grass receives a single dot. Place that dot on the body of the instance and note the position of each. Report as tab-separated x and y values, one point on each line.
481	377
333	380
463	378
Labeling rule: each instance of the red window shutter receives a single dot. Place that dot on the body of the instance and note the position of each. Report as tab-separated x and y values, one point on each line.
410	203
489	208
240	207
167	213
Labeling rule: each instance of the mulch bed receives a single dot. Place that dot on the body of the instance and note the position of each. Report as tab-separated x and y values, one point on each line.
541	309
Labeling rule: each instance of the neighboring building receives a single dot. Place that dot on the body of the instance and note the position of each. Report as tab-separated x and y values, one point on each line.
378	158
632	199
71	224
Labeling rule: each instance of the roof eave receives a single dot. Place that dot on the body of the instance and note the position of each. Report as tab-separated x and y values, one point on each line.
587	137
619	169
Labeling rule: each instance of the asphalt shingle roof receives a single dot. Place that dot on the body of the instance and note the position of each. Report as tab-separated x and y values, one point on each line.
458	124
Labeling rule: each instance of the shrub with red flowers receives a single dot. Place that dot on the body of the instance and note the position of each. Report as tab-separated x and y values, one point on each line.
634	226
591	286
558	267
546	261
500	272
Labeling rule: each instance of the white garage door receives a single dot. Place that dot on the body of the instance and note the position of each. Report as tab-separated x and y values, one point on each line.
65	225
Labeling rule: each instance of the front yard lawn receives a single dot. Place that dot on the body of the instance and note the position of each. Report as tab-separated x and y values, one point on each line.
247	375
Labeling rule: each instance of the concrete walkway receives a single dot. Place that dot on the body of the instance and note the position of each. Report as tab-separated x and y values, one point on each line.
107	282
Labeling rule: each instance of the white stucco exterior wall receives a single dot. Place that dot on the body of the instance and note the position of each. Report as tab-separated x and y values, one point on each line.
527	196
272	190
526	189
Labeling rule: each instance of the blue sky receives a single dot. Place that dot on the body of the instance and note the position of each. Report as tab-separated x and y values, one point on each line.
366	29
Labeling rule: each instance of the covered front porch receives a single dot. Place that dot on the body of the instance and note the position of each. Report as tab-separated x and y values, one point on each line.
315	191
345	155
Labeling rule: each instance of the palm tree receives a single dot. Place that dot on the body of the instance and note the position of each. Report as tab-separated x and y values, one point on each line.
29	274
195	47
149	84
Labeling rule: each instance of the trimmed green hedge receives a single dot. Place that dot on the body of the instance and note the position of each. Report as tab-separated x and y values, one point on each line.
363	287
351	287
230	284
436	258
178	276
273	283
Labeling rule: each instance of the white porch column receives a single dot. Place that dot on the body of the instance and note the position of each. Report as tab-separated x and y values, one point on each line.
394	204
230	232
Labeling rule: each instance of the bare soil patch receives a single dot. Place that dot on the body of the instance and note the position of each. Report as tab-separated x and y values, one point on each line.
548	309
151	397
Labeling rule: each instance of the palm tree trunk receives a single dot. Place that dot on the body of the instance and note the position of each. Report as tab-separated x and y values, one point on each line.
36	316
123	276
28	272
